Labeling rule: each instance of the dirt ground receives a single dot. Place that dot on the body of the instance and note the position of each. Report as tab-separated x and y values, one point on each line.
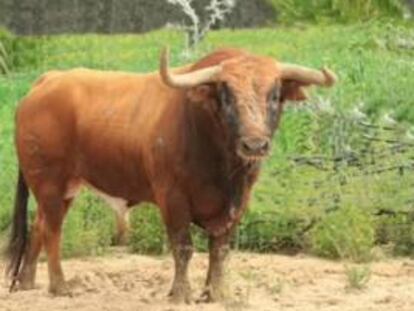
127	282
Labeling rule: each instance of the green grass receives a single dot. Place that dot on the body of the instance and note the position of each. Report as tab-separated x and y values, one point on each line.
343	10
289	208
358	277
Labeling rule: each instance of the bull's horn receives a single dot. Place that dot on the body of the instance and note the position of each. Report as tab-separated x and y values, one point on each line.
186	80
323	77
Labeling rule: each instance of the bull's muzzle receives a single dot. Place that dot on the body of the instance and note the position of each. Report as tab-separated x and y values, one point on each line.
254	148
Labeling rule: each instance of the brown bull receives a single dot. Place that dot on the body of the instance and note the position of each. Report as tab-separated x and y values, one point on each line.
190	140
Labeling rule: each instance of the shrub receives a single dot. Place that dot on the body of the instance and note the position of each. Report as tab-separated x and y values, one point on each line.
396	231
147	234
89	227
267	231
347	234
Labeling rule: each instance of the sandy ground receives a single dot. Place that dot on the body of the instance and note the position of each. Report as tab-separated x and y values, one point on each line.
126	282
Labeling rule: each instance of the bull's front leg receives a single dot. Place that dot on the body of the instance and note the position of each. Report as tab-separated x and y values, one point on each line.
216	289
182	249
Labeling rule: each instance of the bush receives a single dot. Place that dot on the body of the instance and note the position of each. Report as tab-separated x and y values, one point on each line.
147	234
397	232
346	234
89	227
263	231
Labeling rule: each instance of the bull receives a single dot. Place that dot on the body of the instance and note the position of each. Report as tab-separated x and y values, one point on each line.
190	140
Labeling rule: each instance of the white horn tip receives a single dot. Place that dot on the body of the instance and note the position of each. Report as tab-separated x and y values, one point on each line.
330	77
164	64
164	55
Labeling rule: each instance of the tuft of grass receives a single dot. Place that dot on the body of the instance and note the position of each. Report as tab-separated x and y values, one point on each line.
277	287
357	276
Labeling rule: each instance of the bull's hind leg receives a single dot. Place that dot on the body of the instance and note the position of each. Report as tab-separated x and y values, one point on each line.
52	237
53	206
27	275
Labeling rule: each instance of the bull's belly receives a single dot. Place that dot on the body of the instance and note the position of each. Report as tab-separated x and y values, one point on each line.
113	176
118	203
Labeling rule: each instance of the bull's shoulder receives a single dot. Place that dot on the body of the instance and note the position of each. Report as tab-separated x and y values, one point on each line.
46	81
45	77
49	88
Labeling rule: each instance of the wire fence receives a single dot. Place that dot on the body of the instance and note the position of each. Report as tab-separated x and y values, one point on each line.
368	172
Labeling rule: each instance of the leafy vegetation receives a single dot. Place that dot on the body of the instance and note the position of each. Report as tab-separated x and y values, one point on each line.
339	181
357	276
4	51
344	10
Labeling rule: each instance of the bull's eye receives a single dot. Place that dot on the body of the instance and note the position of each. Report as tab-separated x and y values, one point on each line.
226	100
274	98
273	102
227	106
226	96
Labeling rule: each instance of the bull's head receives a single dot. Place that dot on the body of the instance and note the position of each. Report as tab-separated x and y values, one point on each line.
248	92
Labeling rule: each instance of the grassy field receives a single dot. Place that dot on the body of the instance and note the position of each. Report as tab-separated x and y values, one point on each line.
353	199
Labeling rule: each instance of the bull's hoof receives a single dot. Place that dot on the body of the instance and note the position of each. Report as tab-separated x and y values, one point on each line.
18	285
180	293
210	295
25	280
26	285
60	290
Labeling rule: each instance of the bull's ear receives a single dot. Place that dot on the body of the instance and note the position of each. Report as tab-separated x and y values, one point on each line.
293	90
200	93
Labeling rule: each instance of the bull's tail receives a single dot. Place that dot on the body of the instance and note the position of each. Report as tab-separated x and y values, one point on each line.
19	233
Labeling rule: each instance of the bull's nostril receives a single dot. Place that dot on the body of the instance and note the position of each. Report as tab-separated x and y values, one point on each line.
265	146
246	146
255	146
